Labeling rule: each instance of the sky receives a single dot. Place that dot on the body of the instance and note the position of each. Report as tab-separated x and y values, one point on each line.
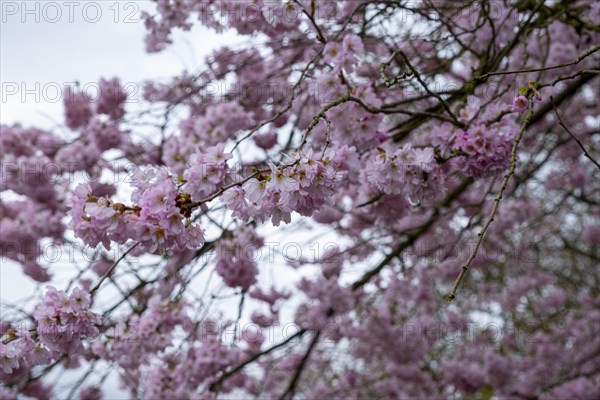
49	45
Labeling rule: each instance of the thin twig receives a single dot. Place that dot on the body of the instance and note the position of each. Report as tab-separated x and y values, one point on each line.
561	123
97	286
443	102
482	232
213	387
289	392
239	317
523	71
320	37
321	114
389	82
327	135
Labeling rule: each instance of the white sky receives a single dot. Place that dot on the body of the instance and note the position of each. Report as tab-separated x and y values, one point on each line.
37	57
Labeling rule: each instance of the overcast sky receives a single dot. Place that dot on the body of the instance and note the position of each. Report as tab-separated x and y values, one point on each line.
46	45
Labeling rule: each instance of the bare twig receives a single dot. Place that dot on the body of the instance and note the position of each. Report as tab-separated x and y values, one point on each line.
239	317
289	392
97	286
482	232
213	387
523	71
561	123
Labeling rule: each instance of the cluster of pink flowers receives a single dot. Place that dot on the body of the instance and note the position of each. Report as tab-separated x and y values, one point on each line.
487	149
84	153
112	99
79	107
159	221
132	342
19	141
206	172
353	126
236	257
36	164
104	135
172	91
327	298
159	31
345	54
179	376
28	164
26	222
62	322
20	354
97	120
409	171
304	187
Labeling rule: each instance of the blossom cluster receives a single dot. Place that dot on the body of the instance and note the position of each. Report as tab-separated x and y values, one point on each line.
327	298
80	107
131	342
206	172
62	320
344	54
487	149
236	263
409	171
160	220
179	376
304	186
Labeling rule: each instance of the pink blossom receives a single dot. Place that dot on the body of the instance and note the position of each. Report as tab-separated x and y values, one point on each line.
266	140
519	104
78	110
112	99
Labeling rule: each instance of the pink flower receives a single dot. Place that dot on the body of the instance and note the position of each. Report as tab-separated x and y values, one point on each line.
281	181
90	393
333	53
235	198
266	140
9	358
78	109
205	172
255	189
519	104
236	258
64	320
353	45
112	99
159	199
